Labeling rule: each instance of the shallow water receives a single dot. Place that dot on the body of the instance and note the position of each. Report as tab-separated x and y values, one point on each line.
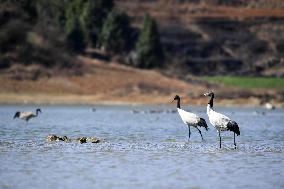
139	150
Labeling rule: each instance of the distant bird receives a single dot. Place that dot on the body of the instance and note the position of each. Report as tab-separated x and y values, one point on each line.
269	106
220	121
26	115
190	119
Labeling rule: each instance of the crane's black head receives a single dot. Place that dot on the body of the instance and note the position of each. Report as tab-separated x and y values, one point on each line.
38	110
210	94
178	100
17	114
176	97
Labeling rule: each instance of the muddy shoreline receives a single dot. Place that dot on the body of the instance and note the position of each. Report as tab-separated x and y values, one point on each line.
38	99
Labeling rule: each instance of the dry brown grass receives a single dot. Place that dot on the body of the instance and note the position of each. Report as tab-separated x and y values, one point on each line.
166	11
103	83
112	83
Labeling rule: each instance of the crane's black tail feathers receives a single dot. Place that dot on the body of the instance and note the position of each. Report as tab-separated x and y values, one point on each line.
202	123
233	126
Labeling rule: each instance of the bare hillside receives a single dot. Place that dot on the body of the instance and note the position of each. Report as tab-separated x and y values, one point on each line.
100	83
217	37
104	83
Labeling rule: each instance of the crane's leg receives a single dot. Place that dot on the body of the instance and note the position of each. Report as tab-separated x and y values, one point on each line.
235	141
27	122
199	132
189	133
220	137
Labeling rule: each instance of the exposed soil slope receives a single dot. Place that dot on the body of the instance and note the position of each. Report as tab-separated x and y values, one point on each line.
101	83
114	83
218	37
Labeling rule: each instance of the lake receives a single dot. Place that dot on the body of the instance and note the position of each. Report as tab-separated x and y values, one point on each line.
145	148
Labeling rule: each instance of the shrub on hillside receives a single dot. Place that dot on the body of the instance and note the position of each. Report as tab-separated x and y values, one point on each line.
148	48
73	27
11	36
116	33
93	16
22	41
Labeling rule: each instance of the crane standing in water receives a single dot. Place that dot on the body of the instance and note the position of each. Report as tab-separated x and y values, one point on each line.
27	115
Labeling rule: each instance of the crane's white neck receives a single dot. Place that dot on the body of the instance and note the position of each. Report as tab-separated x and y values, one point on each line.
209	109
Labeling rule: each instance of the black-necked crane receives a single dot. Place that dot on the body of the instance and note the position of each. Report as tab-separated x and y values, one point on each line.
26	115
190	119
220	121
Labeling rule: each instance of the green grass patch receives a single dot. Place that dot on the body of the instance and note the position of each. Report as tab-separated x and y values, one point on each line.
247	82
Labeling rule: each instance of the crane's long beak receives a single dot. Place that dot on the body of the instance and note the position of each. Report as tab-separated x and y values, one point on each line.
172	100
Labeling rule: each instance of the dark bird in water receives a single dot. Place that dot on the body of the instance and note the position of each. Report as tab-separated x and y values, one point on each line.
220	121
26	115
190	119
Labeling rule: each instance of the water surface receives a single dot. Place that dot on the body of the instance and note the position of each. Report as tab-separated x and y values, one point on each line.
144	149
